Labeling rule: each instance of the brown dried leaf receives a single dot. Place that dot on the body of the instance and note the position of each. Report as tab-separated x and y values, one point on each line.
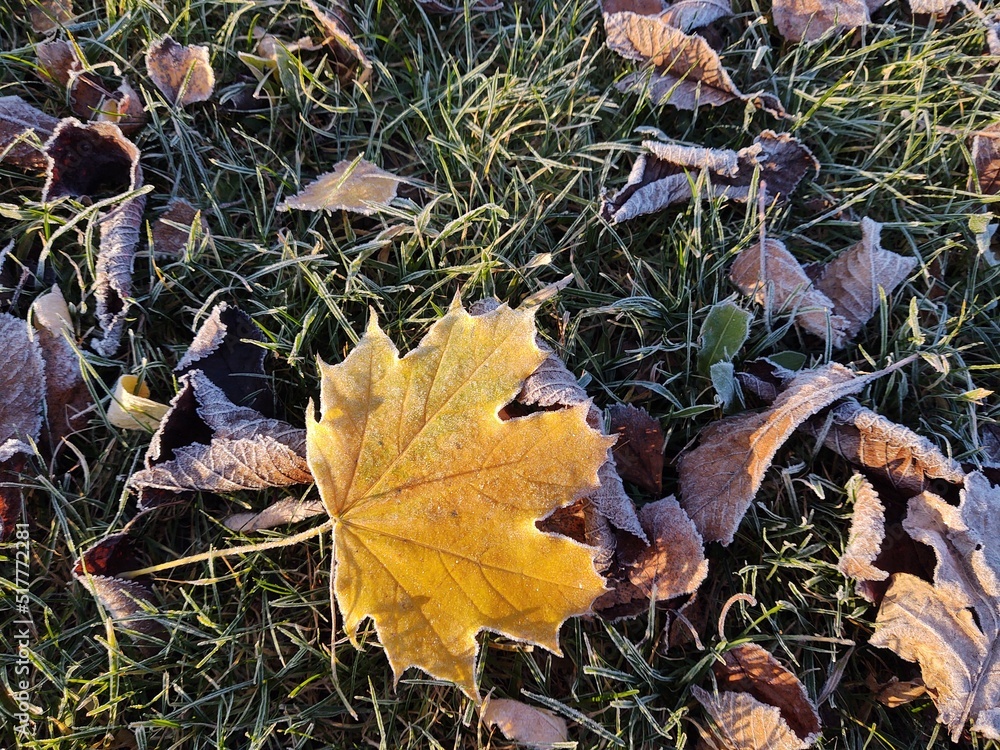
286	511
639	450
670	173
227	349
687	15
524	724
938	8
952	628
179	225
899	693
640	7
124	108
776	280
867	533
57	59
183	75
853	279
87	159
720	477
13	459
348	53
750	669
907	460
18	121
67	397
357	186
47	15
22	382
761	380
808	20
744	723
120	234
986	159
671	565
686	73
127	601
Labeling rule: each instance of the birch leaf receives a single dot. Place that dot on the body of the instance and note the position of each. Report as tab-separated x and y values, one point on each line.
686	71
907	460
777	281
524	724
435	498
951	628
183	75
670	173
853	279
720	477
357	186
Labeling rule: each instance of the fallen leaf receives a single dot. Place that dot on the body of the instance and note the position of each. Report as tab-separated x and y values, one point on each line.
867	533
904	458
131	408
723	377
720	477
246	450
639	451
986	160
67	397
761	380
899	693
640	7
476	6
47	15
937	8
347	53
760	704
286	511
129	602
524	724
951	628
57	59
808	20
183	75
670	173
672	564
853	279
180	225
22	382
13	459
21	127
725	330
686	71
227	348
687	15
357	186
88	159
120	234
435	498
774	278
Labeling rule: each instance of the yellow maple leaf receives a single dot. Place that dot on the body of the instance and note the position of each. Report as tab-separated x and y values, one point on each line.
435	498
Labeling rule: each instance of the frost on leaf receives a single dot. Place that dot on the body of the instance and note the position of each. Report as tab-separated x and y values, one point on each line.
285	511
178	226
22	128
357	186
671	565
986	160
524	724
47	15
120	234
866	535
89	159
347	53
22	382
776	280
685	71
639	451
952	627
57	59
435	498
760	704
670	173
808	20
720	477
853	279
908	461
183	75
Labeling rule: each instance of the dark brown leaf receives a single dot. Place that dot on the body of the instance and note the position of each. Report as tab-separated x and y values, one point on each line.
13	459
986	160
180	224
21	126
670	172
22	382
47	15
347	53
183	75
808	20
120	234
85	160
639	450
57	59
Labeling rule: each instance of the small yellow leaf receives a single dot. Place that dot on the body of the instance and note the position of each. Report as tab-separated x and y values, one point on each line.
435	498
131	408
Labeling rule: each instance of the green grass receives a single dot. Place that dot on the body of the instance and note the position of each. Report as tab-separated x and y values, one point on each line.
511	125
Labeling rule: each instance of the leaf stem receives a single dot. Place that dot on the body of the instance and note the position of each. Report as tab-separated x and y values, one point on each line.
245	549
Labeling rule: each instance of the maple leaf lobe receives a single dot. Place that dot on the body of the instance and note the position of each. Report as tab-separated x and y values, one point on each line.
436	497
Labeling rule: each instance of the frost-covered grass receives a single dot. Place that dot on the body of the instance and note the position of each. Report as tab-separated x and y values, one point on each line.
511	125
